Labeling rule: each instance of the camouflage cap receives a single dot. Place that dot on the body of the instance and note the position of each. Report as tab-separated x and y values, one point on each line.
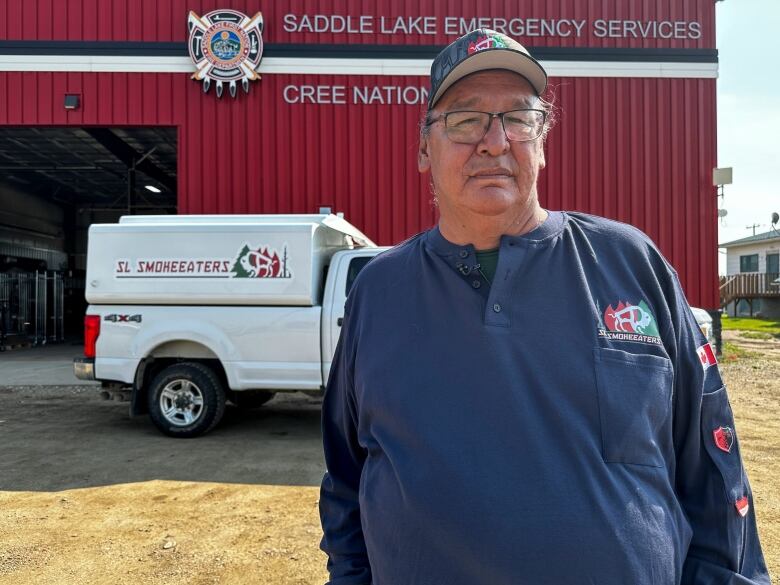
479	50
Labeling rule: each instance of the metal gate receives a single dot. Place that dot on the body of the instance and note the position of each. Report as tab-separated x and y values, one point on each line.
31	308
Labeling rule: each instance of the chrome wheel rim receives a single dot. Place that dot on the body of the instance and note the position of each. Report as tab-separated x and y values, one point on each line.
181	402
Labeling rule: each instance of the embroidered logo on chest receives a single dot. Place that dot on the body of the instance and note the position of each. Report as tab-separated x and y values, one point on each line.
629	322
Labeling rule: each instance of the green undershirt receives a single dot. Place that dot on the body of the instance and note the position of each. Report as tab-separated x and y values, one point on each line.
488	260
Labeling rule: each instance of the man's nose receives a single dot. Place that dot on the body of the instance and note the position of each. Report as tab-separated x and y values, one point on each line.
495	141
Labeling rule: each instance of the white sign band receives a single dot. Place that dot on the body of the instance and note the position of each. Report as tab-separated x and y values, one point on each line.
309	66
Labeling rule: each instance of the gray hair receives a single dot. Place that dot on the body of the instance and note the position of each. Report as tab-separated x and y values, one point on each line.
547	105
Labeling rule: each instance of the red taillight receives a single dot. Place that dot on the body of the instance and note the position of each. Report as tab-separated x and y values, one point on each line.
91	332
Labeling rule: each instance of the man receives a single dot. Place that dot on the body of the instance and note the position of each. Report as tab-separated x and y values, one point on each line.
521	396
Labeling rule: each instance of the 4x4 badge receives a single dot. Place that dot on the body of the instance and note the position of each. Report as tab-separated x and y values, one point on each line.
114	318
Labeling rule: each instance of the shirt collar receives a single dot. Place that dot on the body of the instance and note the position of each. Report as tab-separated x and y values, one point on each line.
550	227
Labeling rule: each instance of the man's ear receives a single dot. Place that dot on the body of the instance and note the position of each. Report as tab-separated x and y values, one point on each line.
542	160
423	158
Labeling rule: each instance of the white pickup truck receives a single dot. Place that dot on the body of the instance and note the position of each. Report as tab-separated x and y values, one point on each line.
187	312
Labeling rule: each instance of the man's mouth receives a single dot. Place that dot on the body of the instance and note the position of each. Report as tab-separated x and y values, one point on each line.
491	173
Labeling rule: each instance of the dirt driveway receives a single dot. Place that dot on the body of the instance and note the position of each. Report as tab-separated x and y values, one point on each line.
58	438
93	497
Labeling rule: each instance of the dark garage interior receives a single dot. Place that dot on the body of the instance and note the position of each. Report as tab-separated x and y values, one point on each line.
54	183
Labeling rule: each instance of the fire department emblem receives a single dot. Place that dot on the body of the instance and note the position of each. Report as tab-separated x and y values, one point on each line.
724	438
261	262
226	47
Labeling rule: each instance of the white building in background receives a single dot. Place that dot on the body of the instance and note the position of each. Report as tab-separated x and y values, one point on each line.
752	282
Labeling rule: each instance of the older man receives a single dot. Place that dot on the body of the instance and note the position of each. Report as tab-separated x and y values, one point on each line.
522	396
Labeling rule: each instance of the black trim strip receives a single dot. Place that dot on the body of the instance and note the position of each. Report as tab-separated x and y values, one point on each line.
93	48
540	53
349	51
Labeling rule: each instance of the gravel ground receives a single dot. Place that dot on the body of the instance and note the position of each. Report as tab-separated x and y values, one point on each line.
754	391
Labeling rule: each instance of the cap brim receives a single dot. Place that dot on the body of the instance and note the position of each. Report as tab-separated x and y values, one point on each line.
498	58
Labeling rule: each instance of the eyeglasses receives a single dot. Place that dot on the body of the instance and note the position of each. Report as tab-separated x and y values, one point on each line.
470	127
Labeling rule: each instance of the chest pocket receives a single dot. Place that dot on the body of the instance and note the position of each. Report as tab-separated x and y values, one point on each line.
634	398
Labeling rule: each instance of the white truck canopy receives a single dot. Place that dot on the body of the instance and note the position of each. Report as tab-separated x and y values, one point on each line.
215	259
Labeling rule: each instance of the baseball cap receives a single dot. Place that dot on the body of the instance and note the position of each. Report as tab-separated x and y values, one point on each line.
479	50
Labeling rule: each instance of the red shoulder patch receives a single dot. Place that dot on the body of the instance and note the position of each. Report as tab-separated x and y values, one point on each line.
743	506
724	438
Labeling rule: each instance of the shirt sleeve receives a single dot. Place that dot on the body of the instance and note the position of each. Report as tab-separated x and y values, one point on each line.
342	539
711	482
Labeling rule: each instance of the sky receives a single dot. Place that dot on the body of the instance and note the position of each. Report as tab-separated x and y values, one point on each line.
748	115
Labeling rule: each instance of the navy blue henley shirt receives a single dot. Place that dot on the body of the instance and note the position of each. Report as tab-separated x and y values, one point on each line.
565	425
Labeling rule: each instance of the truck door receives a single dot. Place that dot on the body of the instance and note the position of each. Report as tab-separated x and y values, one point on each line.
345	273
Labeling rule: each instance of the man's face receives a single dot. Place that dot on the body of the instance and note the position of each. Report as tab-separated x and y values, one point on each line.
494	176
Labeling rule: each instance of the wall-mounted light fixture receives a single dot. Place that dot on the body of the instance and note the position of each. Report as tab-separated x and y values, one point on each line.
152	188
72	101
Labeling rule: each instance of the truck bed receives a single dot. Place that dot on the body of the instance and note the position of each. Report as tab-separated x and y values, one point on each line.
275	348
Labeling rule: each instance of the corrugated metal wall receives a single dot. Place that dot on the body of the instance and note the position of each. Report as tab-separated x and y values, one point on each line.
638	150
642	151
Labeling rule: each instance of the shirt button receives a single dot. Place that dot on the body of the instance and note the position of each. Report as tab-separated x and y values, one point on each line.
497	308
463	269
476	283
464	254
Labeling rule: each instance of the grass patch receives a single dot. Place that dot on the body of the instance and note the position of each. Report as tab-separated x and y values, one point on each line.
755	335
732	352
751	324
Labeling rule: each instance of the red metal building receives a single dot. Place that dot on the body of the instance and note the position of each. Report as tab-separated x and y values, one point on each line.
333	119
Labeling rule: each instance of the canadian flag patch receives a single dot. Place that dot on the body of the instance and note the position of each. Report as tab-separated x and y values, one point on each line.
706	356
742	506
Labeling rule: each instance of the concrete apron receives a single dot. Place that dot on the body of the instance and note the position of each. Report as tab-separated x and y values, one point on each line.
46	365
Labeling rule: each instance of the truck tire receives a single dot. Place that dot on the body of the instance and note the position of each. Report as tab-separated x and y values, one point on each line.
186	400
251	398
